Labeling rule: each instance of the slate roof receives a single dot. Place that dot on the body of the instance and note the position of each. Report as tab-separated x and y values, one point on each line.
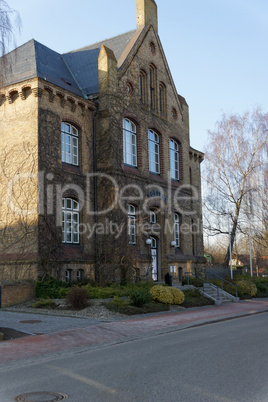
76	71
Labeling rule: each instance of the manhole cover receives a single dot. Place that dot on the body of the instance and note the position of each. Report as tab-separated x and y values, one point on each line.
41	397
30	321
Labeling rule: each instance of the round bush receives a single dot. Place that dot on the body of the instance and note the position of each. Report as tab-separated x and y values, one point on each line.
178	295
161	294
245	288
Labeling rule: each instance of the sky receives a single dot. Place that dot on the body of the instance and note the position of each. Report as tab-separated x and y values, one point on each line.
216	49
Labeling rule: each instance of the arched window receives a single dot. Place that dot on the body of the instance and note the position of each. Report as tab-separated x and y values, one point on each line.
69	144
174	160
132	224
153	87
154	152
143	86
68	275
153	217
129	142
162	99
177	229
70	221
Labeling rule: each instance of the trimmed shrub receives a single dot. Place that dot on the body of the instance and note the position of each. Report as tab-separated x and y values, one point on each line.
178	295
44	303
245	288
77	297
161	294
50	288
140	297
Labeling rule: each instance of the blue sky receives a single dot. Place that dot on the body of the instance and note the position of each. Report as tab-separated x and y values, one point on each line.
216	49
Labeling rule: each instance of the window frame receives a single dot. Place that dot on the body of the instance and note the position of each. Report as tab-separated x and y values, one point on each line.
70	221
174	159
154	152
153	217
68	275
132	232
130	158
69	144
177	230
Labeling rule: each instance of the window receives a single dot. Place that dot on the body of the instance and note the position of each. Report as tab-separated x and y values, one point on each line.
154	155
68	275
69	144
162	99
70	221
177	229
143	86
152	217
132	224
79	275
174	160
153	88
129	143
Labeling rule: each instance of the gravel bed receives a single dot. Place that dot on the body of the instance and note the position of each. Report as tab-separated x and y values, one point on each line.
95	310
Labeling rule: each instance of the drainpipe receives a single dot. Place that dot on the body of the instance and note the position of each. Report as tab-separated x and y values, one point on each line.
95	196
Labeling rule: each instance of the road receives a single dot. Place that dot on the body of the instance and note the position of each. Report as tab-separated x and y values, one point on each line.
225	361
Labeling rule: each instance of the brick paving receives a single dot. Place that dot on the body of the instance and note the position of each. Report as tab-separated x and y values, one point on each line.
118	331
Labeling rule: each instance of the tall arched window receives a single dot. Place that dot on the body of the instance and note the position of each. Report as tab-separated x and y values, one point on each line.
154	152
153	86
129	142
174	160
69	143
143	86
132	224
177	229
70	221
162	99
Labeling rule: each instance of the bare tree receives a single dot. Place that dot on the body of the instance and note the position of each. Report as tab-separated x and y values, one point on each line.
10	22
233	172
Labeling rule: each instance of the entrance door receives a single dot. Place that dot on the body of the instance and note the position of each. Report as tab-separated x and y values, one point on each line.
154	255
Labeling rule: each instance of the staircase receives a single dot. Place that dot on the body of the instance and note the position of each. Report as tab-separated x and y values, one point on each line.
217	294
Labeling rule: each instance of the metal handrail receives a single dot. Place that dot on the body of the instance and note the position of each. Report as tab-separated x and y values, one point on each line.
222	279
204	281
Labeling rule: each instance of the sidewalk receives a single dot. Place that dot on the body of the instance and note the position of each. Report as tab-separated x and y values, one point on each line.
123	330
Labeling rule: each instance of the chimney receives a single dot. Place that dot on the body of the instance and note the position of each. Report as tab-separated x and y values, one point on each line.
146	11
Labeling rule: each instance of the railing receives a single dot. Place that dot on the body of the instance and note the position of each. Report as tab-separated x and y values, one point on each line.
204	281
222	280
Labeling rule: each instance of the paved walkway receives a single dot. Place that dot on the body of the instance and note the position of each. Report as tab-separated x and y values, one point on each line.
120	331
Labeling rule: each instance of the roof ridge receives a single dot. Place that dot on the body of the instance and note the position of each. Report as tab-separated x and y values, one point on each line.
94	45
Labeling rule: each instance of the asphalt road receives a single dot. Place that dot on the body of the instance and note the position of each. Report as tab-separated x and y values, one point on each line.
225	361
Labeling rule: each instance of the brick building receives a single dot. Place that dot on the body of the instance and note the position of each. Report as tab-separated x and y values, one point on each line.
98	179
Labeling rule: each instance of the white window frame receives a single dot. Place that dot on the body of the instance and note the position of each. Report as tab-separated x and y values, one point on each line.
69	144
152	217
68	275
79	275
174	156
70	221
132	224
154	152
177	230
130	142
